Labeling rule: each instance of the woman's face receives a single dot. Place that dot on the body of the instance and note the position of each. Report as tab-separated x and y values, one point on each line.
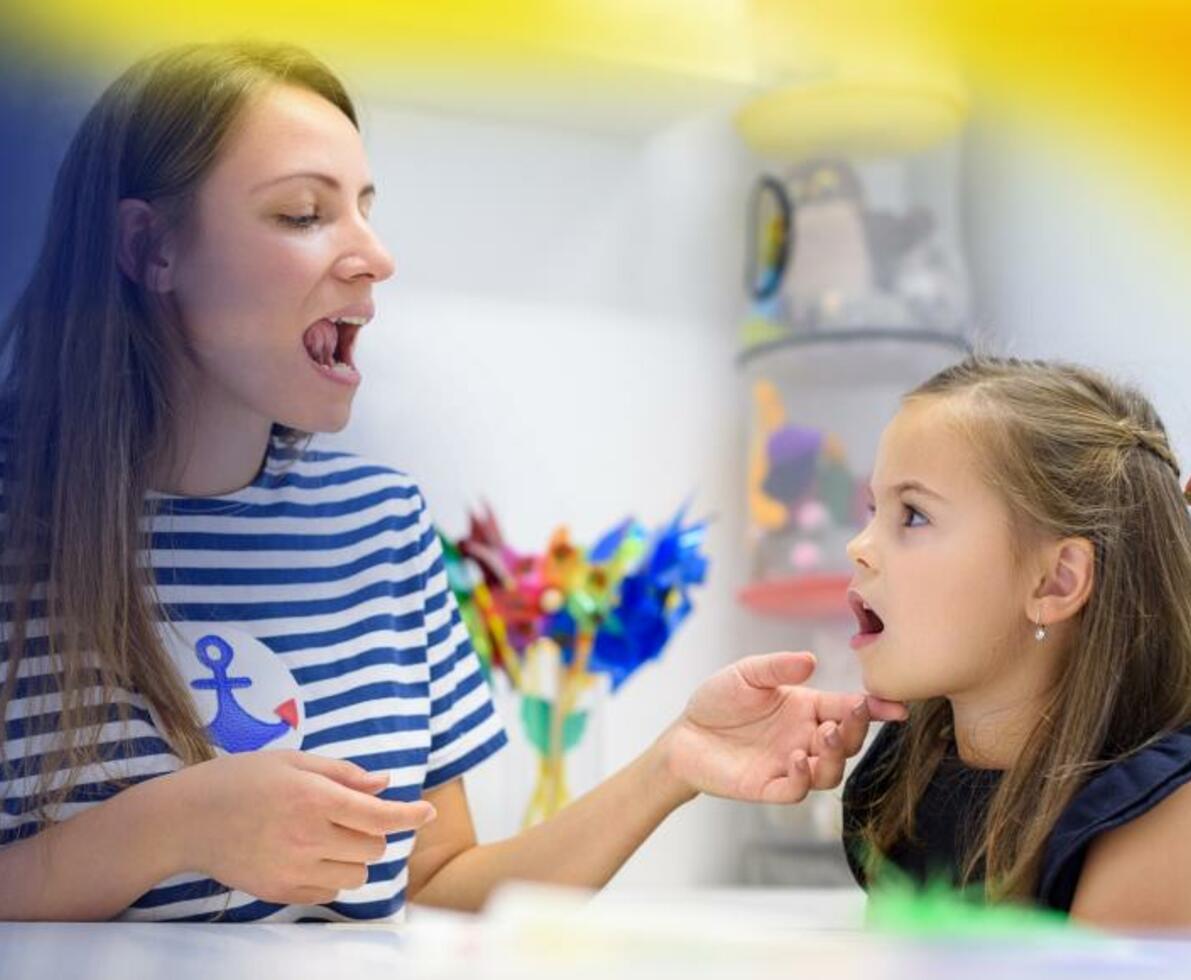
280	240
936	565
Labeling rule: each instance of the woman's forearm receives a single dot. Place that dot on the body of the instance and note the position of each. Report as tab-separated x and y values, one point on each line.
94	865
584	845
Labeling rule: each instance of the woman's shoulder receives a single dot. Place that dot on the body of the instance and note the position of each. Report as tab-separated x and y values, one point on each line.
312	466
314	453
1117	795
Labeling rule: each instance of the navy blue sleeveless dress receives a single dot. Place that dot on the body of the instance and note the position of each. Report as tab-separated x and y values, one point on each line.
953	806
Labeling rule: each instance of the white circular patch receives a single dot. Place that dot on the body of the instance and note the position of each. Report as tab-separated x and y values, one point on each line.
246	697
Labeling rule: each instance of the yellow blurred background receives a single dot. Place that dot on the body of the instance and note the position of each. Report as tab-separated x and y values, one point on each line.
1109	77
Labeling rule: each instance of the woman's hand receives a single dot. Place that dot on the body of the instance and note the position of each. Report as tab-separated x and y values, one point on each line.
749	732
288	827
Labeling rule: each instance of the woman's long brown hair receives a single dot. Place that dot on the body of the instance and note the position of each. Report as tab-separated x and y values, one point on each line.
1072	454
89	403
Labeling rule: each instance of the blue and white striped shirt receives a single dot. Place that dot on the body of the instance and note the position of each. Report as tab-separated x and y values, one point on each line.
307	610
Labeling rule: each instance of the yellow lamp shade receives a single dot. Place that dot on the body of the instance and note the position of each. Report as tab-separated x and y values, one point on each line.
854	117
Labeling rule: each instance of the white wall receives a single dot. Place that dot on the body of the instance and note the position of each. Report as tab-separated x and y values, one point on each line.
1075	257
558	340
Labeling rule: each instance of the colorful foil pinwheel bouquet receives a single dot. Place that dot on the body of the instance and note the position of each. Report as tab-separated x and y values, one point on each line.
554	622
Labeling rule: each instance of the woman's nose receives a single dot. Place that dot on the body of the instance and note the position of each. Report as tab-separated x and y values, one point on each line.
368	257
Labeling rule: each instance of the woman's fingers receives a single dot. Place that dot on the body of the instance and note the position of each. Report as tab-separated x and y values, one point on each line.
853	727
309	896
770	670
340	875
354	846
794	785
827	756
838	706
341	771
372	815
846	733
883	710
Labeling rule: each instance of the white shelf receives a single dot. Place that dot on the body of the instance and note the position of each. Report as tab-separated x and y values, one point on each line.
857	356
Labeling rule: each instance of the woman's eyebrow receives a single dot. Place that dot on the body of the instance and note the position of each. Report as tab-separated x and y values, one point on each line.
369	190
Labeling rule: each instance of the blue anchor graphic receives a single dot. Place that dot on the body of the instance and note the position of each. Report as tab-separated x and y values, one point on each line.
234	729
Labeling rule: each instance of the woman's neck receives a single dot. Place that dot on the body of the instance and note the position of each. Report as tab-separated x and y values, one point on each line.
218	446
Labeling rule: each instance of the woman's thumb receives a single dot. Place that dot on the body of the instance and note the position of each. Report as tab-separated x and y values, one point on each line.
769	670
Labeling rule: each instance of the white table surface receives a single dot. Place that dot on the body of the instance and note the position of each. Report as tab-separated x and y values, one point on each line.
527	933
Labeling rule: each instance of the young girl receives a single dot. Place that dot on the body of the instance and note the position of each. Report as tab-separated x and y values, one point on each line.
1025	585
235	683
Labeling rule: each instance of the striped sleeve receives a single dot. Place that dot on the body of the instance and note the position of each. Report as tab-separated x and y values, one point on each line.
464	726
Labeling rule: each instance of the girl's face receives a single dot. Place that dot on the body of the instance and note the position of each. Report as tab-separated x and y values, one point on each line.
280	239
936	568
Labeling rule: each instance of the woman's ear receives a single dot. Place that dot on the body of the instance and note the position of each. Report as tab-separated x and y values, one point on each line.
141	252
1066	583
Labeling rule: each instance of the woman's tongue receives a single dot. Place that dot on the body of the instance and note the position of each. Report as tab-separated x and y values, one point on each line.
321	339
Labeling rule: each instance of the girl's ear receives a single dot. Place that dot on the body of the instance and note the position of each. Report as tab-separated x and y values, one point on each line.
1066	582
140	253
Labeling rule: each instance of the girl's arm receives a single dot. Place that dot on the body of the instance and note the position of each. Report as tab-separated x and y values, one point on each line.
746	734
1135	877
288	827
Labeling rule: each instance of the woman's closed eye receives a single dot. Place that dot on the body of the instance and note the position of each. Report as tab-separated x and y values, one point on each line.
300	221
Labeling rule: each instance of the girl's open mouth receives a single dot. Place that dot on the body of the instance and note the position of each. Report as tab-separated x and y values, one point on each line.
869	624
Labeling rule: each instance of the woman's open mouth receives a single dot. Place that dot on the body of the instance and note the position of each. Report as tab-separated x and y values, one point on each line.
869	625
329	344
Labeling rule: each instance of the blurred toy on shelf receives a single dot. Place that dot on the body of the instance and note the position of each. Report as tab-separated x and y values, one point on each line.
821	257
854	219
805	504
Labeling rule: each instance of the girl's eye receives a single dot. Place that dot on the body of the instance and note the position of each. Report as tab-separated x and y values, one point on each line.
300	221
913	517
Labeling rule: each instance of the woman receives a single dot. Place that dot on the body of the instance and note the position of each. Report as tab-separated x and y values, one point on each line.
189	584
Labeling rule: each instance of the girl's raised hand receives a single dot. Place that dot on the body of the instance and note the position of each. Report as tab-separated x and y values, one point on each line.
288	827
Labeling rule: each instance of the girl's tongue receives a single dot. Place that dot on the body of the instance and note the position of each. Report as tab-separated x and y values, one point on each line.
321	339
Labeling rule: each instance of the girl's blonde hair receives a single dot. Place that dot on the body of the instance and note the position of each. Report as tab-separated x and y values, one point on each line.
89	402
1072	454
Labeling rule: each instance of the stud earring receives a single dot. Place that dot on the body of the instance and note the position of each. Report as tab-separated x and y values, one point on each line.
1039	632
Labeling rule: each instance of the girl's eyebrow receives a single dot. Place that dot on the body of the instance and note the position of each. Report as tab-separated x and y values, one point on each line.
369	190
916	486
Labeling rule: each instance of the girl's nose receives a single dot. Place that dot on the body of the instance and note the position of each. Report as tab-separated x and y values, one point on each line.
860	550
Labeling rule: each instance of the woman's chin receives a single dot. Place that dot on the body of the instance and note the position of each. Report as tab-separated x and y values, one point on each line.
328	421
